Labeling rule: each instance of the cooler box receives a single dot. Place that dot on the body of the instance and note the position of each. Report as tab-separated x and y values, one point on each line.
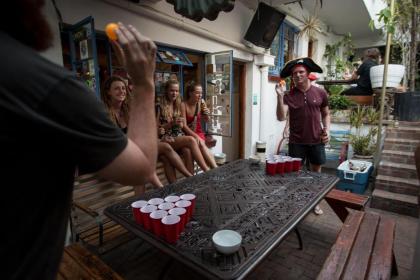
354	180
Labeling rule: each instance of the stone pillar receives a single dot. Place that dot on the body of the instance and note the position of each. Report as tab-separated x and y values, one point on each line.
263	61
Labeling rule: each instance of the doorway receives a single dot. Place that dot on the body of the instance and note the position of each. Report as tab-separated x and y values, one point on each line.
234	147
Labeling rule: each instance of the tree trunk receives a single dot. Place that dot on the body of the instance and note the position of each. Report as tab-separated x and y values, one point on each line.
413	47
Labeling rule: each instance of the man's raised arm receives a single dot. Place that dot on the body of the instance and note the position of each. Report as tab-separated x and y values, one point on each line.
138	160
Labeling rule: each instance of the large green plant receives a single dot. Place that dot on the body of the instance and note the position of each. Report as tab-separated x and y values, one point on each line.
363	145
338	102
333	59
404	27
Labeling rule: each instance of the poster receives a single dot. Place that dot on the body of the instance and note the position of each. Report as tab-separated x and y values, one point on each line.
83	49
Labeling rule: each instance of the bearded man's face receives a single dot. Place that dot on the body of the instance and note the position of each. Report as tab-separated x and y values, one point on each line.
25	22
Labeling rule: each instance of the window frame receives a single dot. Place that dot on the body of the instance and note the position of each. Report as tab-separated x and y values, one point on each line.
274	71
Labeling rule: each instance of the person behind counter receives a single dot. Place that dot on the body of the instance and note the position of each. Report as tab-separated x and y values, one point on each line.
362	74
170	121
193	109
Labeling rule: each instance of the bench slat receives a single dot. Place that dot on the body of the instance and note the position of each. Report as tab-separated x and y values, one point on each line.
339	200
358	263
336	261
381	262
79	263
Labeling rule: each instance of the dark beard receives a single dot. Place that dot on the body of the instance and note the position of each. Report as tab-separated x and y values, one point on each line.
25	22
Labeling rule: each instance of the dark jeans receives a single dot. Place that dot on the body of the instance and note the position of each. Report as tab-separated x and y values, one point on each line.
314	153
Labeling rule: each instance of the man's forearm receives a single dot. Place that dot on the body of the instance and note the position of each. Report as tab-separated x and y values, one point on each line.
280	111
326	121
142	125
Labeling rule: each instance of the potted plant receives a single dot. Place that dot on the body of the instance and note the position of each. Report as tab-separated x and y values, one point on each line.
404	27
338	104
362	142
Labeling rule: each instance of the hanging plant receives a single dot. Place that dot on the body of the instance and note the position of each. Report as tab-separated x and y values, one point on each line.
311	25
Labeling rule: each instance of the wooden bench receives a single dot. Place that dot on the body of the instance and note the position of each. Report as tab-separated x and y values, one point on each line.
91	195
340	200
79	263
363	249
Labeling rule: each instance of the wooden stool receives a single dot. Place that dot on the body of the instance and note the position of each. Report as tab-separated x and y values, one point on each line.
366	100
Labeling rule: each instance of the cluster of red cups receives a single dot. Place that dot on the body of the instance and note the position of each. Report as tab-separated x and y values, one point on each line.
277	164
165	217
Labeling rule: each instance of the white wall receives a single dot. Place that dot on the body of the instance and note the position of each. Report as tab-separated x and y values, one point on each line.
225	33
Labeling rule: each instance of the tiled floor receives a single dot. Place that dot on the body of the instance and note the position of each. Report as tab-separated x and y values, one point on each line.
139	261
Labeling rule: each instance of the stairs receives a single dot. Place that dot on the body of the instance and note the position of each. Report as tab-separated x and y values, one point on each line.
397	187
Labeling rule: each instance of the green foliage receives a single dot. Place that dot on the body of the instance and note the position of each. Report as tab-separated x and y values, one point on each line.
401	25
357	116
331	51
364	144
338	102
334	89
335	100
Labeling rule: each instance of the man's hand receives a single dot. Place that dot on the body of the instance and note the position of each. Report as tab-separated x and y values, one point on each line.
280	90
180	122
137	53
168	139
325	136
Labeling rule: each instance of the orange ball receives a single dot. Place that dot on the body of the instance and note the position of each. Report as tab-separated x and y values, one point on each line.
110	31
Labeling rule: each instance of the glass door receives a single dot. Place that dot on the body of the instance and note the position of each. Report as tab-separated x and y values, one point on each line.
219	87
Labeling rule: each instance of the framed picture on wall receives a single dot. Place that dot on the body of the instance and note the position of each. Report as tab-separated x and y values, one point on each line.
84	53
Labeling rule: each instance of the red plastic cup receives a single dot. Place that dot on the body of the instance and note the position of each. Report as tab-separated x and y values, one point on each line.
172	198
156	218
135	207
187	205
271	167
280	166
155	201
145	215
288	167
296	164
166	206
171	228
190	197
182	213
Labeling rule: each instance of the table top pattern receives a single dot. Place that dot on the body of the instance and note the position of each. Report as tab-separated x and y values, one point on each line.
237	196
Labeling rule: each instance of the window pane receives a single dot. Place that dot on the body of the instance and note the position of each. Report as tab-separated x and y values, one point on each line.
274	50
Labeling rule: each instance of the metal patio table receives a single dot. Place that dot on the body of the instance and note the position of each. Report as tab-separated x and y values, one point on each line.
237	196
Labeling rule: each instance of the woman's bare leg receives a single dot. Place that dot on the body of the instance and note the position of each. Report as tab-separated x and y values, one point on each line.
208	157
166	151
139	190
191	143
155	181
169	170
188	159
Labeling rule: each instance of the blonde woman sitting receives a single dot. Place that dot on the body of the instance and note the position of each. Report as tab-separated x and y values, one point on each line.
193	109
170	121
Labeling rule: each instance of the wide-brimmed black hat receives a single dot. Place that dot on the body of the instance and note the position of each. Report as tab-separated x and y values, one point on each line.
306	61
